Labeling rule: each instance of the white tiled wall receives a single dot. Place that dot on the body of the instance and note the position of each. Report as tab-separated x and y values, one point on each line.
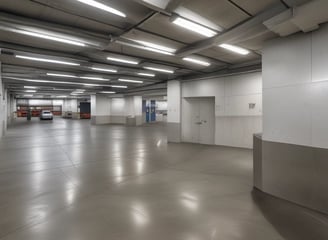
117	107
295	94
235	121
70	105
173	101
3	107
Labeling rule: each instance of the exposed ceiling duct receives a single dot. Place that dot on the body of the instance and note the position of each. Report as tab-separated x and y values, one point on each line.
24	27
304	18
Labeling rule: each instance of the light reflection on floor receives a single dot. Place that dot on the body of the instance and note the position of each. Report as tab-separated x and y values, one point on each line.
70	180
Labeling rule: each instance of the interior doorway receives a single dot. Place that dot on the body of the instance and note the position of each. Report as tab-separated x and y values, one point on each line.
198	120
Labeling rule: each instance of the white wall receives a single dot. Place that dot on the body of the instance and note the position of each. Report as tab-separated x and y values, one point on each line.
295	76
70	105
133	106
117	107
174	101
235	121
100	105
3	107
11	108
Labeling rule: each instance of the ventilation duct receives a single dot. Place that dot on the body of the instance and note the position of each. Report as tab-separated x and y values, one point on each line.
305	18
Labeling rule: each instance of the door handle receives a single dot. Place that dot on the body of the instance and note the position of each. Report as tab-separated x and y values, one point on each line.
198	123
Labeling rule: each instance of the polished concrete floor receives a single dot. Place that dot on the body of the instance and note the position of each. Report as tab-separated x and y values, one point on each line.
67	180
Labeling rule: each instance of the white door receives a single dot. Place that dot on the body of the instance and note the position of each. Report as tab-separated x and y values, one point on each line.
206	120
199	123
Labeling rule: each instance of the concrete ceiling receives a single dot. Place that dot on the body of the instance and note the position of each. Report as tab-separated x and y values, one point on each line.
238	22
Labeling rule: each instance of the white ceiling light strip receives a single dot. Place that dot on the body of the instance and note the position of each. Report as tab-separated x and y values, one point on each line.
235	49
103	7
148	46
155	46
61	75
57	82
129	80
30	87
156	50
146	74
118	86
81	77
50	37
107	92
122	60
197	61
194	27
46	60
95	78
104	69
159	69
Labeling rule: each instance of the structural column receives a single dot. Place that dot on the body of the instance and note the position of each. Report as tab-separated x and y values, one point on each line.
3	106
70	107
134	110
100	109
291	157
174	111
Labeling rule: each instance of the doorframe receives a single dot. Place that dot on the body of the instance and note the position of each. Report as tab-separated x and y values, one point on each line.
183	117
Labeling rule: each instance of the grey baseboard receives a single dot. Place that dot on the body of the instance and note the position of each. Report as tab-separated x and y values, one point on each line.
292	172
173	132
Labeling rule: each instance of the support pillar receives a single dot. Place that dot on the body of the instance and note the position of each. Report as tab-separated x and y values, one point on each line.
174	111
100	109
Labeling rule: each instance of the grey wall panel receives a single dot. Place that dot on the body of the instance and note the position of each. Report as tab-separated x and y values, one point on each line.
295	81
287	61
139	120
320	54
287	114
257	161
292	172
98	120
118	119
173	132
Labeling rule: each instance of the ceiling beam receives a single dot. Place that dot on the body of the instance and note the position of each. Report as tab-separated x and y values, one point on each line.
233	34
174	4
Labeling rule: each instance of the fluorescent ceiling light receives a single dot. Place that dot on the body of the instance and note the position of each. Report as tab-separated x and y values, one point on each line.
73	76
122	60
157	51
153	47
107	92
52	38
47	60
129	80
95	78
195	27
197	61
159	69
102	7
146	74
235	49
61	96
30	91
28	95
156	46
91	84
118	86
58	82
104	69
30	87
61	75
